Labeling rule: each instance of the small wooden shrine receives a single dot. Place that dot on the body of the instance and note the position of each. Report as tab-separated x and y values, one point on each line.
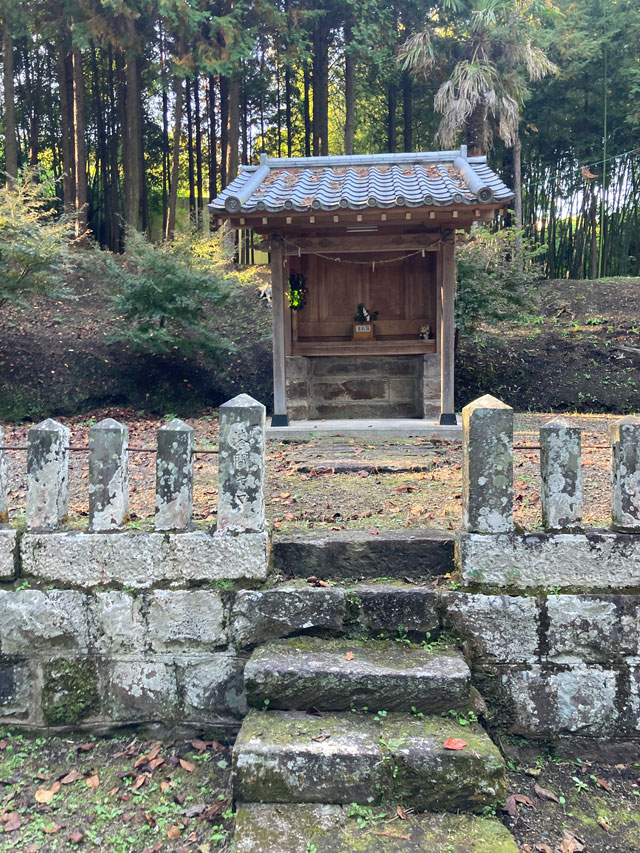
363	276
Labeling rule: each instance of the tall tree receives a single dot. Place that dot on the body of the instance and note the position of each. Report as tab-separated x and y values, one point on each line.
10	138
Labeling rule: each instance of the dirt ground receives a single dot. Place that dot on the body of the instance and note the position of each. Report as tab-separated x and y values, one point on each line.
122	794
330	483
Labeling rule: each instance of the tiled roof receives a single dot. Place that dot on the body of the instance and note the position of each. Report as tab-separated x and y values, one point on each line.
362	181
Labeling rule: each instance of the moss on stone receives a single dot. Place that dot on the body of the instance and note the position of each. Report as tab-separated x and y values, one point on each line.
329	829
70	691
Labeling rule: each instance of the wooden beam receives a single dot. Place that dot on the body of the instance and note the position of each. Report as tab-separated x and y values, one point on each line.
358	241
277	299
447	333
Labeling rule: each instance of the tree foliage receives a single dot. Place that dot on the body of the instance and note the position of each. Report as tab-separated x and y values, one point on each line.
497	273
35	247
163	296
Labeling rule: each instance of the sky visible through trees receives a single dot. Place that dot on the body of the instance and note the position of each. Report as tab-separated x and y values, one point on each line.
140	111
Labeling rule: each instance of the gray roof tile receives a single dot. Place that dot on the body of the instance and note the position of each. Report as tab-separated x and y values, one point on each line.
361	181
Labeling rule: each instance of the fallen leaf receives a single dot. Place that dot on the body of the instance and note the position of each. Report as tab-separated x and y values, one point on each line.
214	810
50	828
510	806
349	656
76	837
165	785
401	813
602	822
524	800
156	762
570	843
46	795
454	743
543	848
72	776
112	792
13	822
93	781
174	832
187	765
544	794
87	747
140	781
314	581
603	784
200	745
533	771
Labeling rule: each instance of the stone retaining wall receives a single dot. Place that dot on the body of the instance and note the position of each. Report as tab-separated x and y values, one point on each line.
551	620
111	627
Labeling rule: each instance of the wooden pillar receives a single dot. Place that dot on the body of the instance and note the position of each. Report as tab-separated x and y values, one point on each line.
447	332
277	309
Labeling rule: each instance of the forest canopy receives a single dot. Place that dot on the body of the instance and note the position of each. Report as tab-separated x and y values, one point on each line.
138	110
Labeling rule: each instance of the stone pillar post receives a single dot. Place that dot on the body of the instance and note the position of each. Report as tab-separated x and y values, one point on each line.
561	474
241	465
447	332
487	466
279	417
624	436
4	498
108	476
174	476
47	475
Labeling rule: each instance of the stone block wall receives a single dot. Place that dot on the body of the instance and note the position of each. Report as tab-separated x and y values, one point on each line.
550	620
110	627
363	386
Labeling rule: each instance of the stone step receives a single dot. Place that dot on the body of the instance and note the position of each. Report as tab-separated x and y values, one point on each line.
414	553
346	675
293	757
267	828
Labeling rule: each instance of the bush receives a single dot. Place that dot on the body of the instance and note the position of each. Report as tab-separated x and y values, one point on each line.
496	277
34	241
163	295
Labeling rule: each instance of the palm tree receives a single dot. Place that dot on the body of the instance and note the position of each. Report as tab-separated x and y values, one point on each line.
494	57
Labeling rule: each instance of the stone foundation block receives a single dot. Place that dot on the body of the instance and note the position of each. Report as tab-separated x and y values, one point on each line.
142	690
16	687
260	615
436	779
379	676
388	609
577	700
142	559
280	758
8	539
70	690
32	621
593	627
271	828
180	619
118	623
496	627
214	687
578	562
356	554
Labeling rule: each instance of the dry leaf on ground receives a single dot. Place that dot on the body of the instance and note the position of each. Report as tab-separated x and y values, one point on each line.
544	794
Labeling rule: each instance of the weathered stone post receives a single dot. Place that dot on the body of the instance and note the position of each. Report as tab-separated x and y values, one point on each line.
174	476
241	465
108	475
47	475
561	475
624	436
487	466
4	498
